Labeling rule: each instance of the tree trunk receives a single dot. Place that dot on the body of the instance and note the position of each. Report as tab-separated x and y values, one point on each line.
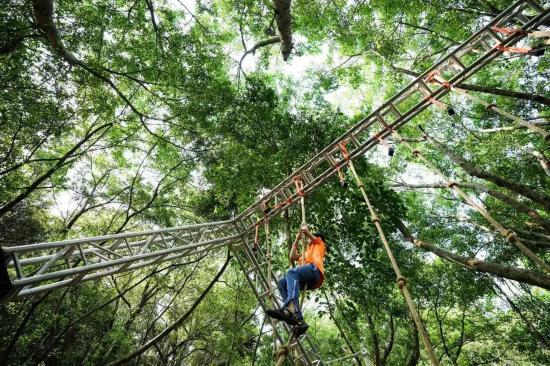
389	345
471	169
502	270
415	350
284	20
493	192
375	342
487	89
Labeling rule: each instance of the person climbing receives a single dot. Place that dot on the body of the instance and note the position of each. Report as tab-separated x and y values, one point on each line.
308	274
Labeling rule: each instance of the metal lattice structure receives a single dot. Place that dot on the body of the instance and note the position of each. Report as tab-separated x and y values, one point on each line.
35	268
47	266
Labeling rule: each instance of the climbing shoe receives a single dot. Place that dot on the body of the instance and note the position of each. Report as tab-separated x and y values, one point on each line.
300	328
284	315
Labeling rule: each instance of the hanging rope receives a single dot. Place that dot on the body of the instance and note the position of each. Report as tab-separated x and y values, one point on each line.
506	233
401	281
299	189
269	276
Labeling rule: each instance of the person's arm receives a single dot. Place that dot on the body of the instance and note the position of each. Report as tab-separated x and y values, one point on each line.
294	255
307	233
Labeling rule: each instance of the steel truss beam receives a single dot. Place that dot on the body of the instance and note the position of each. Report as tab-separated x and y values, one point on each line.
30	269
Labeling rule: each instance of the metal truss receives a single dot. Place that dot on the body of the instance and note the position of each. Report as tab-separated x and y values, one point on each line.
30	269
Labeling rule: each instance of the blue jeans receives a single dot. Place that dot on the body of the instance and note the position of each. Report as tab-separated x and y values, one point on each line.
296	278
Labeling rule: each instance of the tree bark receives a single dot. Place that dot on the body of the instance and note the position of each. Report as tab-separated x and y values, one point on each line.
389	344
501	270
471	169
177	323
375	342
415	350
284	20
493	192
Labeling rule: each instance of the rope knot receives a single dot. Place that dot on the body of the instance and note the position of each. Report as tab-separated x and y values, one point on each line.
401	282
416	153
282	351
452	184
490	106
510	235
375	219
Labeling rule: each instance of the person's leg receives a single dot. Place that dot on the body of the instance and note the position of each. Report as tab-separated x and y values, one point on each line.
284	314
293	288
309	275
283	288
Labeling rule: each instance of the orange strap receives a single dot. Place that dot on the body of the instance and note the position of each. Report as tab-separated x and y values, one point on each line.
299	186
344	150
430	77
509	31
513	49
435	77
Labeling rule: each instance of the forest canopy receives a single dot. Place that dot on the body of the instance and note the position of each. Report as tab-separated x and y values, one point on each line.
126	116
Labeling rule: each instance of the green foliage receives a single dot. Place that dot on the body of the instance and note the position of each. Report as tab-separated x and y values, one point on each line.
161	129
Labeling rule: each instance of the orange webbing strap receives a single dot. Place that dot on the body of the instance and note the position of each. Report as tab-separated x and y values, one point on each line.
299	186
513	49
509	31
342	144
435	77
